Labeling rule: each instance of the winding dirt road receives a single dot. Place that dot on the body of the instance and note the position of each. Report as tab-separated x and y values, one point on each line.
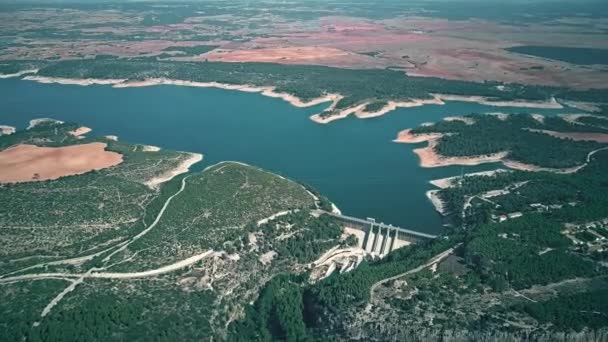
152	225
111	275
437	258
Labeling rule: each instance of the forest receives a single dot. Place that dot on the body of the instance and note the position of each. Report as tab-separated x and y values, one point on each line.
305	81
575	311
498	257
515	135
309	81
308	236
277	314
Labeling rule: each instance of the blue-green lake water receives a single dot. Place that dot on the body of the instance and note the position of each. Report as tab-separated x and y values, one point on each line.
353	162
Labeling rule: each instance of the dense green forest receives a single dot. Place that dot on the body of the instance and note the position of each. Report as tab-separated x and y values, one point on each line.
508	255
308	81
594	121
575	311
304	81
309	236
288	308
13	67
277	314
490	134
158	308
498	257
73	202
495	260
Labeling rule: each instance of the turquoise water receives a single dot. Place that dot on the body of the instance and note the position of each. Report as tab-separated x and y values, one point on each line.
353	162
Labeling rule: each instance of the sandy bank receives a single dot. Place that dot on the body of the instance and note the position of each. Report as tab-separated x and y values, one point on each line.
430	158
20	73
550	104
36	122
584	106
111	137
269	91
150	148
393	105
444	183
467	120
28	163
123	83
318	118
433	196
265	91
73	81
534	168
538	117
360	112
7	130
573	118
407	137
437	99
183	167
499	116
80	131
335	209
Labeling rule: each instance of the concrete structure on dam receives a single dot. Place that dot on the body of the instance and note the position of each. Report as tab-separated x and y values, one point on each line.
379	239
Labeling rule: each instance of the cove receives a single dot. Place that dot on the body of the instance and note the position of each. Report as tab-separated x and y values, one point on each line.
352	161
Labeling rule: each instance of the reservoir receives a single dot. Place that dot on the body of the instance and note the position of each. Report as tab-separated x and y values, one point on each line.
352	161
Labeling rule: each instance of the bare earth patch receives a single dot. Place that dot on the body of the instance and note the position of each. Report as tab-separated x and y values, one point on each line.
7	130
183	167
292	55
80	131
150	148
466	120
29	163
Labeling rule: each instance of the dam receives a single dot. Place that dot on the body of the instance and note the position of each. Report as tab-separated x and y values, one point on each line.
379	239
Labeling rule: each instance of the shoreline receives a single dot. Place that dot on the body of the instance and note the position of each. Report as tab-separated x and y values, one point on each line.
183	167
124	83
359	110
433	196
80	131
149	148
7	130
36	122
24	163
270	91
488	101
448	182
429	158
584	106
19	73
